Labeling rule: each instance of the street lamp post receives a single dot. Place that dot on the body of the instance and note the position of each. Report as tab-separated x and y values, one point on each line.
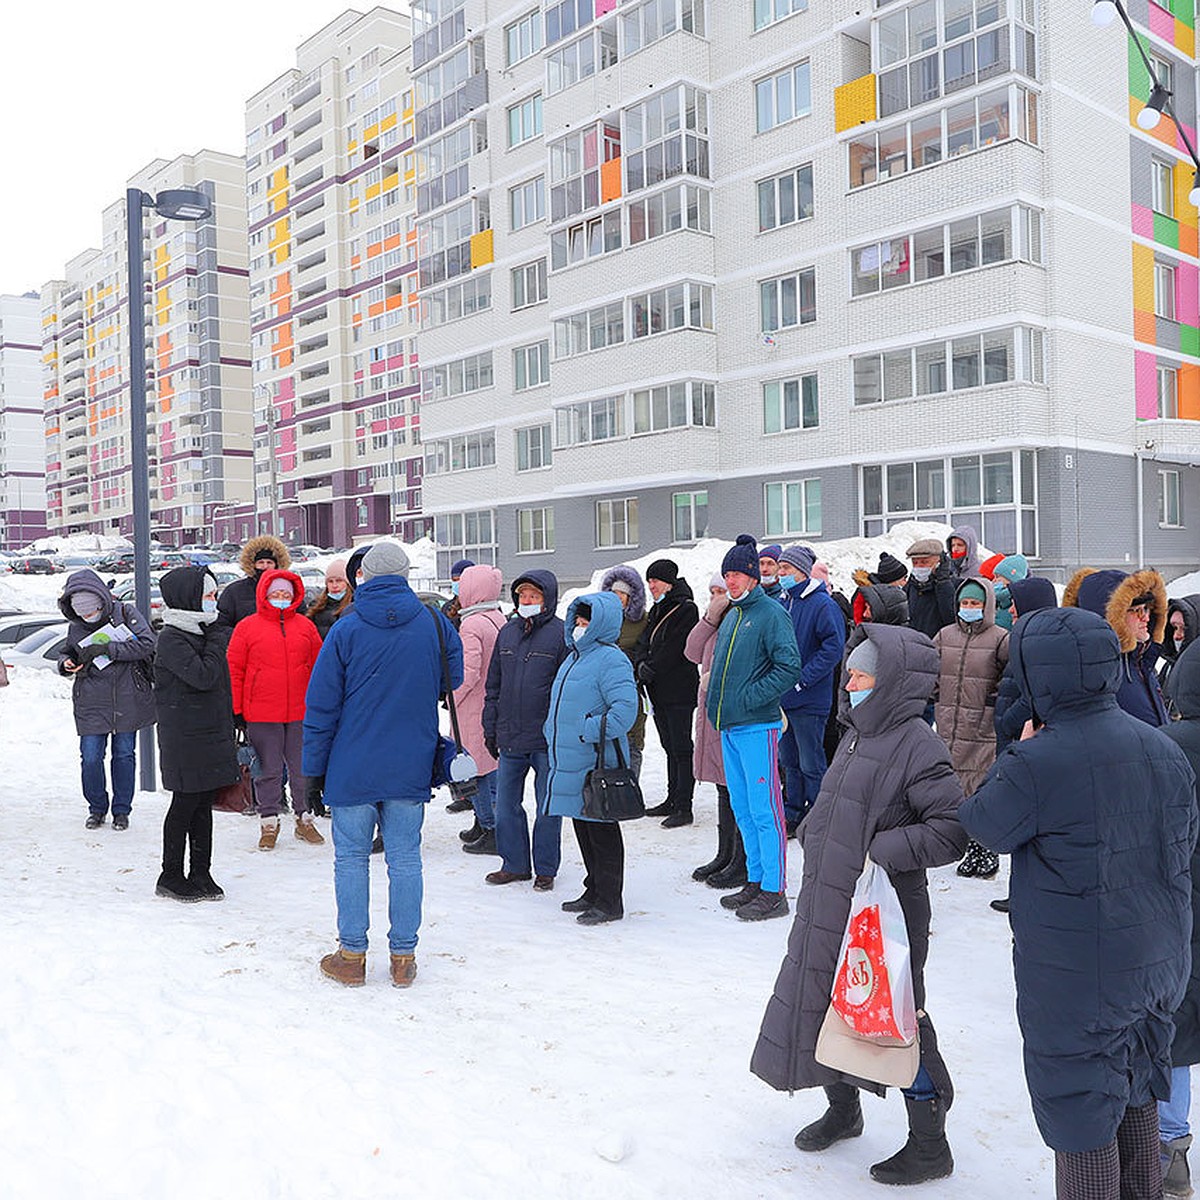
180	204
273	482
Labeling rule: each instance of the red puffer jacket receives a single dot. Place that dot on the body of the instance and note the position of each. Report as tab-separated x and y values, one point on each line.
271	656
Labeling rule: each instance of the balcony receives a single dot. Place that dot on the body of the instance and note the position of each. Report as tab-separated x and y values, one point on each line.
307	235
306	152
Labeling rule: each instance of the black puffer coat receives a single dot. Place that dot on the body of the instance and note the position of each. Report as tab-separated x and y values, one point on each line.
890	792
931	604
668	675
1098	811
117	699
191	690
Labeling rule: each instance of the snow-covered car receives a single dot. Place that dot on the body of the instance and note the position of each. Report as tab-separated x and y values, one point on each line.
40	650
20	625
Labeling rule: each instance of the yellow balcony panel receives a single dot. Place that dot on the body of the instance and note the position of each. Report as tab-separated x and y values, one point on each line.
483	249
373	191
392	181
387	123
370	131
854	103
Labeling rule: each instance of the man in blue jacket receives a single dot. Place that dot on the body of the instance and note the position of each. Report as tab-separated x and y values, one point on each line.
755	661
821	640
375	686
516	703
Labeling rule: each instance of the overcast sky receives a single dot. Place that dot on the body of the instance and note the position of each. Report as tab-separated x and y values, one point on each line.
91	92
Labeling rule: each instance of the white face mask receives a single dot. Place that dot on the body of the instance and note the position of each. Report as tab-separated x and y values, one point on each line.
529	610
86	606
921	574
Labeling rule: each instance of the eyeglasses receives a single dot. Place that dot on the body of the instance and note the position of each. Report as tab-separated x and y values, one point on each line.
1141	611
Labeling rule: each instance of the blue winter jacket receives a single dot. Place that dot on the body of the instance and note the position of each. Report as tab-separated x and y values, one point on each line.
595	680
1098	810
524	662
371	716
821	640
755	661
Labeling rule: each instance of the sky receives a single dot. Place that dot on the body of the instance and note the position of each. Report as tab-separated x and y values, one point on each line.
90	93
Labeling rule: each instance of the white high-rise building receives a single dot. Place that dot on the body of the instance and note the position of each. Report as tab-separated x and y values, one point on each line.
22	454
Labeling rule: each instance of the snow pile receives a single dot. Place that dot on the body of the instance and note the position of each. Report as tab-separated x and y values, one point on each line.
422	557
77	543
1185	585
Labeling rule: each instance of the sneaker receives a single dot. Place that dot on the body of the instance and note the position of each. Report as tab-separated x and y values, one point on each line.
764	906
270	833
743	897
120	820
348	967
485	843
306	831
94	821
404	970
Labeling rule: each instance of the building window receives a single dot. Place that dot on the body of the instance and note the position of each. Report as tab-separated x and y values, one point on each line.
1164	70
790	404
525	120
686	206
680	306
465	535
1162	186
587	239
616	523
674	405
786	198
531	366
793	508
1164	291
529	284
463	452
587	421
527	202
591	330
783	97
1168	392
789	301
655	19
523	38
533	448
565	17
471	374
689	516
362	513
575	168
535	530
767	12
464	299
666	136
595	51
1170	510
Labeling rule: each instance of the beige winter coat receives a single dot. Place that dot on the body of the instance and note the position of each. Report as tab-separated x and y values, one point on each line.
973	657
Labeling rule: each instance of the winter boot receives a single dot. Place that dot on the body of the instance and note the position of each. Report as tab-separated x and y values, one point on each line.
94	821
485	843
764	906
346	966
665	809
743	897
457	806
678	817
841	1120
306	831
208	887
926	1155
404	970
174	887
473	834
120	820
1177	1179
1000	905
269	834
989	864
724	854
733	874
973	861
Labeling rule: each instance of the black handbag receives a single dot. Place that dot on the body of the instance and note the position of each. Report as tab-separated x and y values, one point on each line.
611	793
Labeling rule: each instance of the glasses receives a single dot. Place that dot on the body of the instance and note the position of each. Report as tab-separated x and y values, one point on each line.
1141	611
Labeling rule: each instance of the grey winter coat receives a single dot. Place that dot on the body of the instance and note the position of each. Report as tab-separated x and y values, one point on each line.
891	792
119	698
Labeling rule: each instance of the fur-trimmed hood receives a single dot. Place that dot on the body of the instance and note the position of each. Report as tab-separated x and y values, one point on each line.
1110	593
256	545
637	598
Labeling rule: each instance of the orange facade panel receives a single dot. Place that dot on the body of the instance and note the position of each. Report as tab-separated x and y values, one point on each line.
610	180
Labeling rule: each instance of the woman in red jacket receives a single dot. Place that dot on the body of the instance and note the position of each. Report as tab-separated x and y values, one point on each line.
271	656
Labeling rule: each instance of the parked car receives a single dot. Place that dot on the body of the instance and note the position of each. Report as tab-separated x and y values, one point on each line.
302	552
125	593
76	562
224	575
20	625
37	565
120	563
40	650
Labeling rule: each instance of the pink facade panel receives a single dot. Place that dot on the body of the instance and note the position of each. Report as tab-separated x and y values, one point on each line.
1143	221
1145	384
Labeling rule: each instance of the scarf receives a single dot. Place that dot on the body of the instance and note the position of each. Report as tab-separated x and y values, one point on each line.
188	619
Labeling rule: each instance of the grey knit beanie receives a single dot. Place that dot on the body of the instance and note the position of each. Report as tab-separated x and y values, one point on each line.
864	657
385	558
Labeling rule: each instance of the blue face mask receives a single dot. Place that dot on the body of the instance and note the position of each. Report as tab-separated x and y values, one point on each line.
787	582
336	595
970	614
280	603
856	698
209	606
454	587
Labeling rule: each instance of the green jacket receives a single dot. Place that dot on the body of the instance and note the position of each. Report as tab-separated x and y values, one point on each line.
754	663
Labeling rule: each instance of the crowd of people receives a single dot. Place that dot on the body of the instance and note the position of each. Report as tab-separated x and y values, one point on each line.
951	709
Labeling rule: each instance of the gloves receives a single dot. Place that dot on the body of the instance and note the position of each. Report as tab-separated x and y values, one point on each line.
89	654
491	747
645	673
239	722
716	608
314	792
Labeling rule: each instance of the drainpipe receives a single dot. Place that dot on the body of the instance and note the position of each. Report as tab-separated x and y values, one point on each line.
1141	519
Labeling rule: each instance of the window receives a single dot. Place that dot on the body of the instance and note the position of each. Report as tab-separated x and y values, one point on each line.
533	448
581	59
793	508
790	404
786	198
616	523
590	330
689	516
1164	71
588	239
655	19
529	284
575	168
789	301
523	38
525	120
766	12
531	366
1170	509
1167	381
680	306
465	535
1162	187
673	405
783	97
464	452
665	136
589	421
527	202
565	17
1164	291
535	530
464	299
470	374
685	206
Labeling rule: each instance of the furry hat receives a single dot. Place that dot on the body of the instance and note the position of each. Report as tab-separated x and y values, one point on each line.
264	543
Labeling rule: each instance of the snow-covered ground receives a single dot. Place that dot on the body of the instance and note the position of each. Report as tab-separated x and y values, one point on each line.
155	1049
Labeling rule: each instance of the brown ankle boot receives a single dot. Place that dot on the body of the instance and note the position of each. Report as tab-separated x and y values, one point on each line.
346	966
404	970
306	831
270	833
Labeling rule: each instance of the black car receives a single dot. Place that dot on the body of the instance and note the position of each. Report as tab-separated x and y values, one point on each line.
35	566
115	564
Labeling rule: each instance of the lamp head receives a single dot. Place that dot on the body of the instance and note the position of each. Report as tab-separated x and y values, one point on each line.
183	204
1150	116
1104	13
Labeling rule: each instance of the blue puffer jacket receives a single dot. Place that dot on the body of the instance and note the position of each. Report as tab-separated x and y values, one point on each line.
1099	813
755	661
595	680
524	661
820	639
371	715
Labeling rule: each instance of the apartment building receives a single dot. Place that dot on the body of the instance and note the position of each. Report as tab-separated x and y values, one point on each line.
331	193
691	268
22	455
195	323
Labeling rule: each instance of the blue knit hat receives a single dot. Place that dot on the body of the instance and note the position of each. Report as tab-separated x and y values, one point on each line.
771	551
743	556
459	567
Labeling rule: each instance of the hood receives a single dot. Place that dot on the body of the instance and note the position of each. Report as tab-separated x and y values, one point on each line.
1109	594
904	679
1189	608
889	605
260	593
970	564
183	588
547	583
605	625
680	591
1070	597
820	571
1183	683
387	601
989	604
637	598
256	545
1032	594
1064	658
85	581
479	585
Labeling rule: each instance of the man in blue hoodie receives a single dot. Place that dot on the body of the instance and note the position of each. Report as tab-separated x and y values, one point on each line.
516	703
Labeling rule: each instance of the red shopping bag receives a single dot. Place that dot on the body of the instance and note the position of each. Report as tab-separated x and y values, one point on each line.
873	988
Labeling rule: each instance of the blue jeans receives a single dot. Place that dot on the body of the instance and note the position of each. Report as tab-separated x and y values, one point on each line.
512	823
124	769
484	800
1173	1113
805	767
922	1087
353	832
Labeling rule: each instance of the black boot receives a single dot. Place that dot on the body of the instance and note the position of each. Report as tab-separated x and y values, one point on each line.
733	874
724	841
744	896
972	861
841	1120
661	810
472	834
926	1155
678	817
175	887
485	843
